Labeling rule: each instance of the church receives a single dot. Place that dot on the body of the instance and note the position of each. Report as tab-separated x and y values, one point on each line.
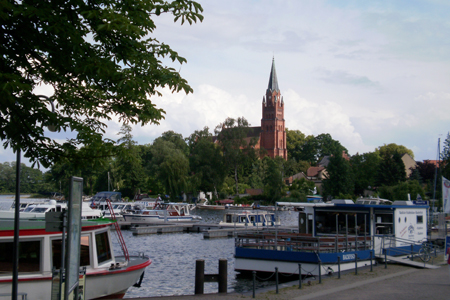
271	135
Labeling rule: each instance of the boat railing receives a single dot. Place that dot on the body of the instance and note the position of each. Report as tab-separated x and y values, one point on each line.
395	246
302	242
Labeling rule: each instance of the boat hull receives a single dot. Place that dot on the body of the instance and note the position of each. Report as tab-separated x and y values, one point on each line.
39	286
154	219
287	262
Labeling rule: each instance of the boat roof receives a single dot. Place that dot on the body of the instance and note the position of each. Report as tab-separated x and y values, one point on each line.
27	224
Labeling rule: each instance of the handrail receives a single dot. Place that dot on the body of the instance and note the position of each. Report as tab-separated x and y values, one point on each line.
119	233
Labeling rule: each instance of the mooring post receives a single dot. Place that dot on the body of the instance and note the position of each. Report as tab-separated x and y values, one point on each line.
371	264
199	276
223	273
299	276
276	278
385	259
320	271
339	267
356	264
254	283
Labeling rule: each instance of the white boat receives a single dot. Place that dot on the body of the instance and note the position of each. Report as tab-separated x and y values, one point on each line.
250	218
37	210
107	275
163	213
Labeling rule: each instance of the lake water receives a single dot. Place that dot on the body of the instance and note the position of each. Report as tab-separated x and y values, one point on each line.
172	271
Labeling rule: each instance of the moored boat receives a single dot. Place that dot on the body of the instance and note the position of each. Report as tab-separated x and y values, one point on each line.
163	213
250	218
335	236
107	275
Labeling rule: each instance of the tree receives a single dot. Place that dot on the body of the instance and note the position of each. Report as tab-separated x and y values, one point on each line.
445	157
390	149
391	170
340	177
236	146
128	163
273	181
327	146
100	59
206	161
365	170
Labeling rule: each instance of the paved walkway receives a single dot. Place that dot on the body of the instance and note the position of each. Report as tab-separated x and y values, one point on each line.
396	282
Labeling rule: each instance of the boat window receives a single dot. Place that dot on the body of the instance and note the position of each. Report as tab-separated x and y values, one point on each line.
419	219
29	208
103	249
39	209
84	252
29	256
228	219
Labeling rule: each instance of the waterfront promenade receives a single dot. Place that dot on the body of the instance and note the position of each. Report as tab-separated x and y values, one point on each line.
396	282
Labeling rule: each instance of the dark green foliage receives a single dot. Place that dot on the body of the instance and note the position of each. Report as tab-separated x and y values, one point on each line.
445	158
391	170
101	60
401	191
339	179
365	171
273	181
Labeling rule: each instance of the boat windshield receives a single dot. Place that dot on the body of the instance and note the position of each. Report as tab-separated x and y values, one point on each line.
40	209
29	208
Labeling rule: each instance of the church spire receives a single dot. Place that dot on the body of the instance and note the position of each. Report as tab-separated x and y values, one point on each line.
273	81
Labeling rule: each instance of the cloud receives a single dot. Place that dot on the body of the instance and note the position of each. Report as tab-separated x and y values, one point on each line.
343	77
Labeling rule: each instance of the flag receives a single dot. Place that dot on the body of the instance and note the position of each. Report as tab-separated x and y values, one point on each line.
446	194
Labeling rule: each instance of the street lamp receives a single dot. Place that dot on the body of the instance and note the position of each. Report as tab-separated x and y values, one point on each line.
15	279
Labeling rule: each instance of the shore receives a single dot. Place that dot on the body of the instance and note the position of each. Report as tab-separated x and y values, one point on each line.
396	281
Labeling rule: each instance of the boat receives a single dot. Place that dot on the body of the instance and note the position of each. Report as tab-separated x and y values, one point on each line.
107	275
250	218
103	196
204	204
37	210
162	213
334	236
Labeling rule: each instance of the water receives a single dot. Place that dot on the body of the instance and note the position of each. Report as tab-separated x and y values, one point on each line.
172	271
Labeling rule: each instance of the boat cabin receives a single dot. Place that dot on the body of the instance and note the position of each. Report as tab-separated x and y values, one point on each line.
250	218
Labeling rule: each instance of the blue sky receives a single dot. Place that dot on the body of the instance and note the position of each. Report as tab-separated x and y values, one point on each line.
367	72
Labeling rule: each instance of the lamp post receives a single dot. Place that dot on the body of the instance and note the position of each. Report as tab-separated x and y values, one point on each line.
15	279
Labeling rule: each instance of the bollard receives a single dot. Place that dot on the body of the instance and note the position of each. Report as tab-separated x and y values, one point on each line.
223	272
412	252
199	276
320	272
300	276
371	264
356	264
339	267
254	283
385	259
276	278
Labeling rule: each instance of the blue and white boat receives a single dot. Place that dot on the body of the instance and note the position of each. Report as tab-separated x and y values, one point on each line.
334	235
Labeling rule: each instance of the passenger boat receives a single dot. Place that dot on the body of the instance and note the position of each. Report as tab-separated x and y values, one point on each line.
250	218
332	236
107	275
162	213
37	210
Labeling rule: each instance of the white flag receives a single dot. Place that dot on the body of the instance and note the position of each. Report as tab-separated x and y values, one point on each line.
446	194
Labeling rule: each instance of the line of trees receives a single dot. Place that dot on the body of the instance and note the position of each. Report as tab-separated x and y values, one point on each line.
227	163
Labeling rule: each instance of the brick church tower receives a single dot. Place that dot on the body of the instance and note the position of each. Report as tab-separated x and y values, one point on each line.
273	133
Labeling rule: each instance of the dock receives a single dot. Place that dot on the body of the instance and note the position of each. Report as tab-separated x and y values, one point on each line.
210	231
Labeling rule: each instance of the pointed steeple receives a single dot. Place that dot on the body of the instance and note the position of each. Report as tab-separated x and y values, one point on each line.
273	81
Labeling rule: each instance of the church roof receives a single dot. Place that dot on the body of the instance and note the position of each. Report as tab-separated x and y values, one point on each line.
273	81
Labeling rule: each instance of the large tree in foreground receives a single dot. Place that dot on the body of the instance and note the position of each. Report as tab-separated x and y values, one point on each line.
101	61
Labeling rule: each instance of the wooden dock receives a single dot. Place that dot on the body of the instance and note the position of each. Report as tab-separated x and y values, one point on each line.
210	231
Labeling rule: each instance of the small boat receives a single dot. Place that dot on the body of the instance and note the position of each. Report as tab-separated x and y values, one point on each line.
107	275
163	213
37	210
204	204
250	218
103	196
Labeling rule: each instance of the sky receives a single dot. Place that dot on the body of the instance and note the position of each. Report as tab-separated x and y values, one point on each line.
368	73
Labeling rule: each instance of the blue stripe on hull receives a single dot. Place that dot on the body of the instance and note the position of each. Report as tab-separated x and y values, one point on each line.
306	257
